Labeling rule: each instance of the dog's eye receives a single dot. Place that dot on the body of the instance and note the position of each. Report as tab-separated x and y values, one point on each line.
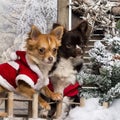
69	46
54	50
42	50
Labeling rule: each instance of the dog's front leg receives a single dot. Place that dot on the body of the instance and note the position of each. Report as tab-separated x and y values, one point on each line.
26	90
43	103
50	94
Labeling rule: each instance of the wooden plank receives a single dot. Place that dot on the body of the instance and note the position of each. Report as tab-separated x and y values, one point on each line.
114	0
37	119
3	98
15	118
40	119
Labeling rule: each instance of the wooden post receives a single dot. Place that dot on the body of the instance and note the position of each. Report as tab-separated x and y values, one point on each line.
82	101
10	104
63	13
59	109
105	104
63	19
35	106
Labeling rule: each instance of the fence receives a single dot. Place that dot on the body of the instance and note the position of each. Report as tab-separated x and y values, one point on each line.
32	109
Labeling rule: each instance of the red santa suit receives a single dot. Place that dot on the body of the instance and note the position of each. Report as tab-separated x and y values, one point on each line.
21	69
70	91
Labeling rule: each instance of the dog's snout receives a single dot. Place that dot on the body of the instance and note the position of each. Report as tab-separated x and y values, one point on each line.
50	59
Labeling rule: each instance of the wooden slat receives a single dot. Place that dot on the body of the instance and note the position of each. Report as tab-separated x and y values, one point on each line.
44	118
3	98
114	0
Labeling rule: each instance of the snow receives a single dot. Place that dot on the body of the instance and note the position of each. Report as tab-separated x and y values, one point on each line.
93	111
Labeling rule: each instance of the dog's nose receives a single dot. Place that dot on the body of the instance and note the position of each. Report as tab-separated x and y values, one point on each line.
50	59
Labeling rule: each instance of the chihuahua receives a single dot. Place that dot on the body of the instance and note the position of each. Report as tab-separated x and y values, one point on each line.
29	72
70	58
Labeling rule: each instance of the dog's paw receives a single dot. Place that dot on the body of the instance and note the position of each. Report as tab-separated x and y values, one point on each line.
45	105
56	96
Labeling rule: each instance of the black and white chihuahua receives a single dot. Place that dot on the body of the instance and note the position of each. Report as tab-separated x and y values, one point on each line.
70	54
69	62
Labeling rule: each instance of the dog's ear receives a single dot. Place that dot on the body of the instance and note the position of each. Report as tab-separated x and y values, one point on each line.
83	26
55	25
34	33
58	32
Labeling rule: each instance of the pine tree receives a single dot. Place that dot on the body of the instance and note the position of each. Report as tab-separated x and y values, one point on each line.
104	71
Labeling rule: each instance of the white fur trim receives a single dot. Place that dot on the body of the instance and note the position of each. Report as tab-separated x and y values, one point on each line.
14	65
5	84
13	56
41	83
26	79
35	68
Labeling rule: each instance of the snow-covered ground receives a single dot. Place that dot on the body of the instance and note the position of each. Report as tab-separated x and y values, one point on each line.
93	111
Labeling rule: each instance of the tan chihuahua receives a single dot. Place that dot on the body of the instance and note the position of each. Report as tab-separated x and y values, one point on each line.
29	72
